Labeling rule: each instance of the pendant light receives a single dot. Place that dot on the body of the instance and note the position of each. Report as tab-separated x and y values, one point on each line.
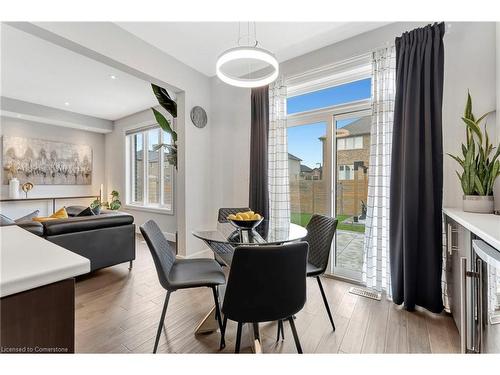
249	51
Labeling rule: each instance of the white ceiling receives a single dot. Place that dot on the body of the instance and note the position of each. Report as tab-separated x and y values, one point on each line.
37	71
198	44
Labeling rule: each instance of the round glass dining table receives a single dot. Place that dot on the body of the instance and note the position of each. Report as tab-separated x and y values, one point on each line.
225	238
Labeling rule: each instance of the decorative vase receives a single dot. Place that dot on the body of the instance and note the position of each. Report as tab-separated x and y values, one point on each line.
478	204
14	188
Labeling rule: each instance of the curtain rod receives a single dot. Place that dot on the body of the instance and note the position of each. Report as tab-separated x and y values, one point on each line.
352	58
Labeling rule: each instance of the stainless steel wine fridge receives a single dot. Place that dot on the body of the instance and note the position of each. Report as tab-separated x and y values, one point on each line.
480	300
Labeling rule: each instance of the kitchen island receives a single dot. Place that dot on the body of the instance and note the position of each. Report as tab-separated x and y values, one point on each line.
37	291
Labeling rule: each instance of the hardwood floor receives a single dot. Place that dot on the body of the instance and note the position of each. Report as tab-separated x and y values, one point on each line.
117	311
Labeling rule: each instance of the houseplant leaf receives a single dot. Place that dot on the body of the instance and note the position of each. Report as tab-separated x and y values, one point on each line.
164	124
474	128
165	100
478	121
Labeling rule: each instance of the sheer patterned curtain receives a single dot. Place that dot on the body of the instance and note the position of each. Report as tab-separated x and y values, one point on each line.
279	191
376	268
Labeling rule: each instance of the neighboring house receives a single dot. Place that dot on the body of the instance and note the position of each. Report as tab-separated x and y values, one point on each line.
307	173
299	171
294	167
353	148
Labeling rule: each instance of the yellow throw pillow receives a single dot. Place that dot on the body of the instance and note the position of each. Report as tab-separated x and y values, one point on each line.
42	219
59	214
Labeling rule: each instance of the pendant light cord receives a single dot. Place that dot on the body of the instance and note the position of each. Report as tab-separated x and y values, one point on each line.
248	44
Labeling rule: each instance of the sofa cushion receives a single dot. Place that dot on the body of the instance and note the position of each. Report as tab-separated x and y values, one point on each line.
86	212
85	223
59	214
32	226
75	210
28	217
4	221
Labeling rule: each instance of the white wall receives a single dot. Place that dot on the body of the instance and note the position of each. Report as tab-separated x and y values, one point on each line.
496	190
115	170
112	45
230	158
469	63
22	128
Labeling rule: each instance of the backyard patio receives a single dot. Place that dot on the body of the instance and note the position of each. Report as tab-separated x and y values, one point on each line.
350	250
350	240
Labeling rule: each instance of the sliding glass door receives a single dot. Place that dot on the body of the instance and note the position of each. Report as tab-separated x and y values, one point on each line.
328	165
351	157
308	167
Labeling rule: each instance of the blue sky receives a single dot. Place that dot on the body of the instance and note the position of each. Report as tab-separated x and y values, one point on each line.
303	141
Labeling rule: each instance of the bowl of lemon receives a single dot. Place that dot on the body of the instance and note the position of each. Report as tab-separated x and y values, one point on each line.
245	220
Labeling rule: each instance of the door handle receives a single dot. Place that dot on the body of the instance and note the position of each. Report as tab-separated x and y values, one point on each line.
479	265
463	305
449	239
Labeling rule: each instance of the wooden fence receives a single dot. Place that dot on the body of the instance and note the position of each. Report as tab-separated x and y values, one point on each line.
311	196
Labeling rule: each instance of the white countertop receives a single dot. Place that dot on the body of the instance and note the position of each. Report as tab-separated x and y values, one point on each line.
28	261
485	226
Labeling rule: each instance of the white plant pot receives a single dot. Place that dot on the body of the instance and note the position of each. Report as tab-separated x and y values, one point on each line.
479	204
14	188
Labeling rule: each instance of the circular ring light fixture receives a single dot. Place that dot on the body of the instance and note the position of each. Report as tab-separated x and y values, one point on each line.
241	53
248	52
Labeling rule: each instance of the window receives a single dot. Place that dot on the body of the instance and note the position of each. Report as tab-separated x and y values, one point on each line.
348	92
150	175
351	143
346	172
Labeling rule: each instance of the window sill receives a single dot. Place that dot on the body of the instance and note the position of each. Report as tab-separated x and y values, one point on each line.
158	210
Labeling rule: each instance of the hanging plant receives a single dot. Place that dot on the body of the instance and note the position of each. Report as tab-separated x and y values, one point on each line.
170	106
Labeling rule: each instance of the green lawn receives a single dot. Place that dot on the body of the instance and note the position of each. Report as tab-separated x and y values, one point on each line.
302	219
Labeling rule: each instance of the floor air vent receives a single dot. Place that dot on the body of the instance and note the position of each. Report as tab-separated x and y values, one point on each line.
365	293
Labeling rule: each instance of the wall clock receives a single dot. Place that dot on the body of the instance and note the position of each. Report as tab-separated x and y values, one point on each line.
199	117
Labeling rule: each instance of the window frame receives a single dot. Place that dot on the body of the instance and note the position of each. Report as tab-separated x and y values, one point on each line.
344	168
130	185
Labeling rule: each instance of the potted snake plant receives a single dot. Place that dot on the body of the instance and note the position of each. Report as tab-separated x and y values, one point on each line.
479	162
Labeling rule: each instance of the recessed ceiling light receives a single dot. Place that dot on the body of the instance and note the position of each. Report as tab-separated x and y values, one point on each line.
66	104
112	76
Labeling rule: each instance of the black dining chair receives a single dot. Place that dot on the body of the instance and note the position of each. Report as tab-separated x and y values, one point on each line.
320	232
265	283
175	274
222	218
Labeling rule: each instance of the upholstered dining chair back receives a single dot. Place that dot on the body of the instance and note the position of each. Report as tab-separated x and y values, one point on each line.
266	283
163	254
320	232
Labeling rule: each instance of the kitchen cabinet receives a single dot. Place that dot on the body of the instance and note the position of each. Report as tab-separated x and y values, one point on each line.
473	278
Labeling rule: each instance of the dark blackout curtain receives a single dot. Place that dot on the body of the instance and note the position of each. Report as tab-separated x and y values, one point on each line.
417	170
259	190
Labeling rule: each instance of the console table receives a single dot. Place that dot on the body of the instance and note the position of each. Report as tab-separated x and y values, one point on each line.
53	199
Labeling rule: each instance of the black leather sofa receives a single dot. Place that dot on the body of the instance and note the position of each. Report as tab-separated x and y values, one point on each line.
106	239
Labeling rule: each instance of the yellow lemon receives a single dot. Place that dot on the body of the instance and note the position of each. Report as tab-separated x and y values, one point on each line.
239	217
245	216
232	217
257	217
250	213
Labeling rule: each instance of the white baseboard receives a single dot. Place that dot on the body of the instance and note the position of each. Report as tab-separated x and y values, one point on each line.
170	236
205	253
